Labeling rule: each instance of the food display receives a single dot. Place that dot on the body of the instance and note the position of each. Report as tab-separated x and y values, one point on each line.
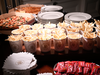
29	38
21	29
50	35
76	68
44	32
49	26
97	22
27	8
17	32
72	30
60	35
25	27
37	26
58	31
75	25
13	22
31	33
62	25
14	37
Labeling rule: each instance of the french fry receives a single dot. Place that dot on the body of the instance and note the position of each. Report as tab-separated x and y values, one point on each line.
14	38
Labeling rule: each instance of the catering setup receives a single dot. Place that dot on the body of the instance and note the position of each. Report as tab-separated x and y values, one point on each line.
42	34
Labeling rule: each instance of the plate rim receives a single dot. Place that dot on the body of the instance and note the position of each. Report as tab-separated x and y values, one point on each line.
86	14
60	7
39	15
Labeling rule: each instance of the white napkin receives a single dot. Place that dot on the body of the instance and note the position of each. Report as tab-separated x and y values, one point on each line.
20	61
45	74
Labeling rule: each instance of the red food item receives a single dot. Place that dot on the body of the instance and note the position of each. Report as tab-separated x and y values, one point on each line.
90	65
69	67
57	73
79	69
60	67
81	63
75	66
94	70
86	70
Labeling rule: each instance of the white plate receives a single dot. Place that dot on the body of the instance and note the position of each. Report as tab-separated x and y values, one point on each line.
51	8
50	15
77	16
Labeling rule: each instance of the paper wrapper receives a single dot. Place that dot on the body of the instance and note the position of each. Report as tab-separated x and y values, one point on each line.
31	46
74	41
59	44
73	44
88	43
16	46
20	63
45	45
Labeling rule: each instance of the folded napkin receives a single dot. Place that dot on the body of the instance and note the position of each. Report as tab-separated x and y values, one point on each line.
20	61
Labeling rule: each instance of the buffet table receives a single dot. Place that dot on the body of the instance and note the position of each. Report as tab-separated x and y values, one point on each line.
46	61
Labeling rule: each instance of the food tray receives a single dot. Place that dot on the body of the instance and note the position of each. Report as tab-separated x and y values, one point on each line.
8	15
18	8
81	68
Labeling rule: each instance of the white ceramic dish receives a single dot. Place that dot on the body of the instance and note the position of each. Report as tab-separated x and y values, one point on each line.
50	8
53	17
77	16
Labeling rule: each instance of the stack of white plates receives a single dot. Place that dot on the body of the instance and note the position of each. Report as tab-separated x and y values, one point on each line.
52	17
76	17
51	8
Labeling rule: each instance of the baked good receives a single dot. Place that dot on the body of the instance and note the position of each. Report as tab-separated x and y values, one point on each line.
13	22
